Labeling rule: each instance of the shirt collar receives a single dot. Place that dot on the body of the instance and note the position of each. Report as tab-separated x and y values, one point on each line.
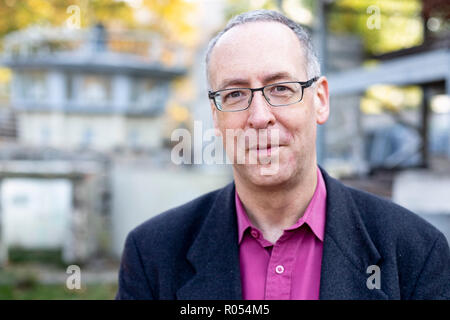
242	217
314	215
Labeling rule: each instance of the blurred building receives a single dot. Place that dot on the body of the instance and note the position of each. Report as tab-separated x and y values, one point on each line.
409	134
75	89
393	122
77	98
88	158
399	101
53	203
8	132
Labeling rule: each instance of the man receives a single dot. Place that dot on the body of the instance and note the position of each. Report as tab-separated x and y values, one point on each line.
295	233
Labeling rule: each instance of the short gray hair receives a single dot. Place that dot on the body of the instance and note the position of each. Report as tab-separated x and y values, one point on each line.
312	64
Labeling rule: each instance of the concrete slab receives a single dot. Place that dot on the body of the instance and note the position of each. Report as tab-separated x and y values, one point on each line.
427	193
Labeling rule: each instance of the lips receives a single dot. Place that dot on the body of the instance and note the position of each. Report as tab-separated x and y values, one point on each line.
262	140
261	147
264	147
265	151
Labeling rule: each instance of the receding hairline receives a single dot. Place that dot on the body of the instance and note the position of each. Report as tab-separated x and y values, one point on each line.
307	49
246	24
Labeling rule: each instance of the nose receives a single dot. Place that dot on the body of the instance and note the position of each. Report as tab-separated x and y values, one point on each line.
260	112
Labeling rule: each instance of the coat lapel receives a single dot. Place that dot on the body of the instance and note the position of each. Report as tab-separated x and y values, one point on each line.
214	254
348	249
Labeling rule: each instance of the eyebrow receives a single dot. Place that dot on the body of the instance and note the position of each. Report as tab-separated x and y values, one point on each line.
266	79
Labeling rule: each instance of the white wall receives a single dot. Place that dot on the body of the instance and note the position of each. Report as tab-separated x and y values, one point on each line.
35	212
425	193
142	191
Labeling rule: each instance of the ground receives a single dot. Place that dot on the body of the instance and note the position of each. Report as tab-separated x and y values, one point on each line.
33	281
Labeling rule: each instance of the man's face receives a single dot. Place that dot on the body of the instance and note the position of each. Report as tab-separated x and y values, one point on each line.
254	55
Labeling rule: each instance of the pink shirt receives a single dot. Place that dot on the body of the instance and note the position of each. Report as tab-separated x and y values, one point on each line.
290	268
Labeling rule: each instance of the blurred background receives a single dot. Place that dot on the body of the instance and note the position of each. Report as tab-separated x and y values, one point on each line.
91	91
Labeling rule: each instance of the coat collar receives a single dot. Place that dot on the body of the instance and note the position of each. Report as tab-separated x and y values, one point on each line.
214	253
347	252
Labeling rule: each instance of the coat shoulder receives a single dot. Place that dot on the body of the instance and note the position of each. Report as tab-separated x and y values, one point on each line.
417	249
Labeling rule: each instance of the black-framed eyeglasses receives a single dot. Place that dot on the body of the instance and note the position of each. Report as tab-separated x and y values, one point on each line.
277	95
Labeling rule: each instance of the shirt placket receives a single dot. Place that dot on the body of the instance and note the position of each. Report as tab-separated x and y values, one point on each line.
280	267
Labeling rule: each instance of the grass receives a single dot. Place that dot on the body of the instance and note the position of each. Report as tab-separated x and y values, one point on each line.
18	281
47	256
40	291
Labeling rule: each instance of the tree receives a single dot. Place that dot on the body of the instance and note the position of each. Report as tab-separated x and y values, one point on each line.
171	18
383	25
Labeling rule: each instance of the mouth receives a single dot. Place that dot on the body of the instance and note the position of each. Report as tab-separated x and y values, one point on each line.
265	150
264	147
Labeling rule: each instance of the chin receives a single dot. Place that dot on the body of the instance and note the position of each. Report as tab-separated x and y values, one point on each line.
264	175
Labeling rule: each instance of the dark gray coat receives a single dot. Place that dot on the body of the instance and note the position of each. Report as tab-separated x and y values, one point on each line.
191	252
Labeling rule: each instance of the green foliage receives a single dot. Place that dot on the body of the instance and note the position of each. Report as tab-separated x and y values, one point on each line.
169	17
400	23
16	15
38	291
235	7
21	282
48	256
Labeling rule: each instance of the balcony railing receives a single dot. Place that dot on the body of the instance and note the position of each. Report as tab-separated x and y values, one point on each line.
38	42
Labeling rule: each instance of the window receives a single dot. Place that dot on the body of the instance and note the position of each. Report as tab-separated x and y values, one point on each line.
133	138
32	85
45	135
148	94
95	90
87	138
88	89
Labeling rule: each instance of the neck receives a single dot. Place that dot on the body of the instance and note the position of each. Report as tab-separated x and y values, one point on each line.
274	209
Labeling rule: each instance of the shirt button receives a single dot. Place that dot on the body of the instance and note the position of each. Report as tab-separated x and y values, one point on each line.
279	269
255	234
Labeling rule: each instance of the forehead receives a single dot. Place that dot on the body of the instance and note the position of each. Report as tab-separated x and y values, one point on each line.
256	50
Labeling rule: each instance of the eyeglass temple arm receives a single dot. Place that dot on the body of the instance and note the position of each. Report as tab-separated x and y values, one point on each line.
309	82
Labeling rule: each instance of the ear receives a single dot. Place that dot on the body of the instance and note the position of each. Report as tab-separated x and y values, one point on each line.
322	100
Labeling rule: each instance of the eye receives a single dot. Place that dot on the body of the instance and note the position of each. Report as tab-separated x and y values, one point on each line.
234	95
281	90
